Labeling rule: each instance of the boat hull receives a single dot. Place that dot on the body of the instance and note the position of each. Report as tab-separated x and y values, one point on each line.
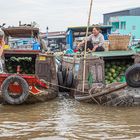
123	97
44	96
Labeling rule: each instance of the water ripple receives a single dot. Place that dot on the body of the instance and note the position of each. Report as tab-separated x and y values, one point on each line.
66	119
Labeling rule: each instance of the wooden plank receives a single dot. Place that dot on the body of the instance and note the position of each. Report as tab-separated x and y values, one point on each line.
109	89
105	91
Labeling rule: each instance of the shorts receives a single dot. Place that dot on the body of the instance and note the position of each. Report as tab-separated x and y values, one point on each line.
90	46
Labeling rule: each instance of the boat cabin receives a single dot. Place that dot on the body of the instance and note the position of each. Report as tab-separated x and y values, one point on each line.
78	33
22	37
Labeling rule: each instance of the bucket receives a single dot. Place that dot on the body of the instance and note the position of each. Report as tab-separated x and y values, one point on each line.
123	79
36	46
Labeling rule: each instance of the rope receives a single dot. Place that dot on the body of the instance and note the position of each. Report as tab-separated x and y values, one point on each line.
93	89
88	24
73	89
90	93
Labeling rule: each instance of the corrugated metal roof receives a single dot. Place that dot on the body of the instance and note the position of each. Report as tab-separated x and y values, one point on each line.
83	28
122	10
58	34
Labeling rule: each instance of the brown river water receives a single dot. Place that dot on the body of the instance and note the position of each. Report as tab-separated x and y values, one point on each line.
67	119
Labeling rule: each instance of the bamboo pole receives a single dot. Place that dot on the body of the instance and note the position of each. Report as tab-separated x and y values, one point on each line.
88	24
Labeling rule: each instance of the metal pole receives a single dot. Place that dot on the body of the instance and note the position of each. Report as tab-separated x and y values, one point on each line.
47	32
88	24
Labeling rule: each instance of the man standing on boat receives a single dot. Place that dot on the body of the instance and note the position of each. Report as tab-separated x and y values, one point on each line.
2	43
95	41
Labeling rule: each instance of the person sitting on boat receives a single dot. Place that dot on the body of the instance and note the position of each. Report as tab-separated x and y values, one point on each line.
95	41
2	43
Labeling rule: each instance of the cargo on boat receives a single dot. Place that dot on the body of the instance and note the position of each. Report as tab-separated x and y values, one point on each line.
106	79
27	72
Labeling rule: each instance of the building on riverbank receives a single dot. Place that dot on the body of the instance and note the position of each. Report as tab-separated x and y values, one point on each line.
55	40
124	22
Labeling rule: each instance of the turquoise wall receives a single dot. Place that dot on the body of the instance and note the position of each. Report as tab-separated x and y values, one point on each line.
132	25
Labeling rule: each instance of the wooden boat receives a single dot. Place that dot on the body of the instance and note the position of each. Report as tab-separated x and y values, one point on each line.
27	73
114	94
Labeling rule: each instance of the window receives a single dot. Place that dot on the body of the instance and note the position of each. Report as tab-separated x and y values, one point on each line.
123	25
133	27
115	26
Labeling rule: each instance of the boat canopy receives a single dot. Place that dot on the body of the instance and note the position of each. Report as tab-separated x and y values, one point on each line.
83	28
21	32
80	31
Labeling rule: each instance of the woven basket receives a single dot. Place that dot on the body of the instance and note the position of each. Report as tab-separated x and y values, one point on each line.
118	42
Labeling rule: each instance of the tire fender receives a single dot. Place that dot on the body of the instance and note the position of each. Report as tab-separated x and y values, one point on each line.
130	72
69	80
60	78
25	90
64	73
